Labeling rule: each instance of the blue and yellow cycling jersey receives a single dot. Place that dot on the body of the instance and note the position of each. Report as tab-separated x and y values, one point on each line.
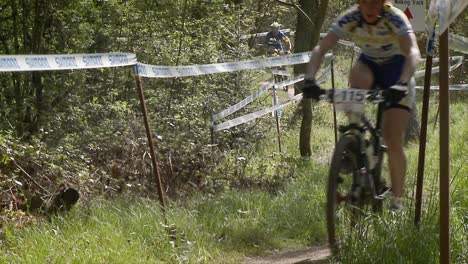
274	41
379	42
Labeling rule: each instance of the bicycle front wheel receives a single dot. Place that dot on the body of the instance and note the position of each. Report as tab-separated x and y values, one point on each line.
343	197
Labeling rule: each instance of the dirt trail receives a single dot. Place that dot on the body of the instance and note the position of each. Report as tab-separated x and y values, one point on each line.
312	255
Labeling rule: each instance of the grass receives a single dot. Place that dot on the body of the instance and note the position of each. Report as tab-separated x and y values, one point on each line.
133	231
287	211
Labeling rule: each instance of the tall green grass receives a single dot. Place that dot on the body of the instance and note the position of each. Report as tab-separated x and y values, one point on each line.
207	230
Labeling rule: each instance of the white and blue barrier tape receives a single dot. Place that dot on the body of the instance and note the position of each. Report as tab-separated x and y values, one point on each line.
242	103
249	117
457	59
289	81
458	43
250	98
21	63
455	87
281	72
263	34
300	77
154	71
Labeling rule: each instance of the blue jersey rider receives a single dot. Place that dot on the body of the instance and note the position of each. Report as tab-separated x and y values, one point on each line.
276	41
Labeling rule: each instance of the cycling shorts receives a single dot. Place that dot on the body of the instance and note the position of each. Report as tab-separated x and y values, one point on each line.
387	74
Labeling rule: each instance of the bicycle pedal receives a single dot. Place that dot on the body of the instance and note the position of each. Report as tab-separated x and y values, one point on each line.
379	197
385	194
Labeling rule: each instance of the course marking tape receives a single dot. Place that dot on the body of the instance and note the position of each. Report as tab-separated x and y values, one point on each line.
458	43
456	87
255	115
290	81
242	103
457	59
20	63
262	34
252	97
251	116
154	71
281	73
300	77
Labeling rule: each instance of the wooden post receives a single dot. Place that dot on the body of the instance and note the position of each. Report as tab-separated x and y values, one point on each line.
444	149
423	135
275	102
211	129
150	142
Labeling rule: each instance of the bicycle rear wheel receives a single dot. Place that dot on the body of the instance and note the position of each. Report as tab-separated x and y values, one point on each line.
343	197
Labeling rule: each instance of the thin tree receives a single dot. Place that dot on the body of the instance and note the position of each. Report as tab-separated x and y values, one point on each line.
310	18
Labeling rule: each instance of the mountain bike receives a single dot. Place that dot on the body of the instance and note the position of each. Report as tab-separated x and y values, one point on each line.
355	181
279	73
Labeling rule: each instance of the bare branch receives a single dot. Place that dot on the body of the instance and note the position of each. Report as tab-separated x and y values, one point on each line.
303	13
285	3
295	6
29	176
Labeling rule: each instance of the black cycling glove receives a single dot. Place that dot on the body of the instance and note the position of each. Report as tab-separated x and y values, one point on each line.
396	92
312	90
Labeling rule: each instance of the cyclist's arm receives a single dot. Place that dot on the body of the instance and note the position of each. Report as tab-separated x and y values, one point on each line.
287	43
409	48
325	44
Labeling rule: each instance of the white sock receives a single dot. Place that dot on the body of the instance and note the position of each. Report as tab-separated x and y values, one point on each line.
397	202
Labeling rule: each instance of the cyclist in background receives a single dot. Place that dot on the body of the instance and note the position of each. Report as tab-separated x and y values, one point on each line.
388	59
276	42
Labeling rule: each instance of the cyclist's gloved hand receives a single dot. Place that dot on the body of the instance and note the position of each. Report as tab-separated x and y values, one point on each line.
396	92
312	90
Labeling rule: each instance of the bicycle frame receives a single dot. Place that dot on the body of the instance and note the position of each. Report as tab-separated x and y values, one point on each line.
359	129
377	150
353	181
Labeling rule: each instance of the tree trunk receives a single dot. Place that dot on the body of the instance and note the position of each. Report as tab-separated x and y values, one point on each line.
306	127
37	46
16	79
307	36
29	26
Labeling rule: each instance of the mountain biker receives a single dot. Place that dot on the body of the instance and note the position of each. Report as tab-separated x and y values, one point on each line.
388	59
277	42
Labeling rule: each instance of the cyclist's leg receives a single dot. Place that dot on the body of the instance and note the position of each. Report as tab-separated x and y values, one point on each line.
361	76
363	73
395	121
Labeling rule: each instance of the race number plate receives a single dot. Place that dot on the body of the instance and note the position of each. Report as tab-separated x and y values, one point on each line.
350	100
